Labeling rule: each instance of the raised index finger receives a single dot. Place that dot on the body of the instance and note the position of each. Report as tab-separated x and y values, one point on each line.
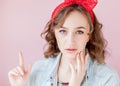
21	60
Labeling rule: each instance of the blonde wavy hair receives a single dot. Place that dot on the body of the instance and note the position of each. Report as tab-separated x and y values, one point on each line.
95	46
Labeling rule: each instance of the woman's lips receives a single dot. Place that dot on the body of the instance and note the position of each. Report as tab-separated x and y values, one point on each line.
69	50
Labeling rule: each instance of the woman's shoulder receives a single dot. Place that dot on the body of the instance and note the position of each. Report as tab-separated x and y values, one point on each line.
106	72
41	64
44	64
104	68
38	65
40	70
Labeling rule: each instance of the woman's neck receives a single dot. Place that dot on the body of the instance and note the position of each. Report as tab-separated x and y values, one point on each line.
64	71
65	62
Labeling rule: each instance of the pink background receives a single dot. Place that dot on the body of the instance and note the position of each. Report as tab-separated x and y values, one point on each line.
21	22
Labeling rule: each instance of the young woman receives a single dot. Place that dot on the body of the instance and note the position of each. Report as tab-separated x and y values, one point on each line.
75	54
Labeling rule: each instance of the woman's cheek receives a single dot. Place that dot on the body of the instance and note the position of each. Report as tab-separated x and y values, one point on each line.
82	45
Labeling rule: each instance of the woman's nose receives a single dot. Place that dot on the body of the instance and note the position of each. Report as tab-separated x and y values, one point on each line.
70	38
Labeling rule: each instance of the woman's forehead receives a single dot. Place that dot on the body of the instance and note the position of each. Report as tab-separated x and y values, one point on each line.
75	20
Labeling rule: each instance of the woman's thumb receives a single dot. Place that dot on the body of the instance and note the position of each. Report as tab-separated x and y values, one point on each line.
29	69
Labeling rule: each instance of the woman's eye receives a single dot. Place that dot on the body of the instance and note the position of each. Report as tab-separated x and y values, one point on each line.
80	32
62	31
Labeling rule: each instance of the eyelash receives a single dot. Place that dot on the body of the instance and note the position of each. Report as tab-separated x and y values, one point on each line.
78	32
62	31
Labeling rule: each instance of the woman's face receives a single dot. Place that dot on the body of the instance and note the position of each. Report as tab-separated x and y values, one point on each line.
73	36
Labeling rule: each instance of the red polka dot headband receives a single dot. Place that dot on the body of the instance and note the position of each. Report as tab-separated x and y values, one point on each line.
87	4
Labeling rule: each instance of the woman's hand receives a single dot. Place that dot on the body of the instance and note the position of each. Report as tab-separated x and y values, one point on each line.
78	71
19	75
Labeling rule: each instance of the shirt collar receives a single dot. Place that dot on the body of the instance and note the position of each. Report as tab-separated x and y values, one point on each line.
55	66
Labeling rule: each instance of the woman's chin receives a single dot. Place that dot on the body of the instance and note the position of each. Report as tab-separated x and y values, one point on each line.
70	55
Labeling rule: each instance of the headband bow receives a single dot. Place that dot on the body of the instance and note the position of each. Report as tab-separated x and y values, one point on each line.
87	4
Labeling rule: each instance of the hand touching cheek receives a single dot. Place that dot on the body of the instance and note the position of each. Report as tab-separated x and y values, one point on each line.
78	71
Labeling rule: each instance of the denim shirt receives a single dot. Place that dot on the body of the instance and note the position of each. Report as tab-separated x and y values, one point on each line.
44	73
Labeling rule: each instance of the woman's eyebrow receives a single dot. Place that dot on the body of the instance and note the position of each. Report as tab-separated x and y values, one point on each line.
81	27
64	27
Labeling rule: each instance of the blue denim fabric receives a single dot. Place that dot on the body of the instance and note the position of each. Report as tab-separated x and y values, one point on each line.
44	73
